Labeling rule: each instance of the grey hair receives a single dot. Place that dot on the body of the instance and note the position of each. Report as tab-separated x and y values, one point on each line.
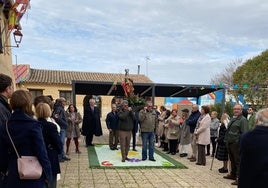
262	117
124	102
149	103
237	104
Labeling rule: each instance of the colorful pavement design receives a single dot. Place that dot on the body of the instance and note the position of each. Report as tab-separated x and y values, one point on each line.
100	156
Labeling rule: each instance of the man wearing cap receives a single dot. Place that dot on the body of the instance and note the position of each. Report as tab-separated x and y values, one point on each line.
185	133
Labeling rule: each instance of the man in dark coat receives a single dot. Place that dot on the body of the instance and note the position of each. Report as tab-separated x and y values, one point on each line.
253	170
135	130
192	121
112	125
91	120
6	90
60	117
251	118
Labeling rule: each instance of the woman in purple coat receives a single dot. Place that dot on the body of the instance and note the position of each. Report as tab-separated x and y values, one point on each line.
26	134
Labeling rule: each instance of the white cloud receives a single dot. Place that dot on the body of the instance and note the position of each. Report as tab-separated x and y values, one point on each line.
188	41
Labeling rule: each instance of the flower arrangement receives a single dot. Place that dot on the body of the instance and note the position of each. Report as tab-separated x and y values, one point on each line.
134	101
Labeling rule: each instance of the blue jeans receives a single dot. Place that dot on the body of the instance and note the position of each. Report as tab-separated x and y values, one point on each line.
62	138
147	143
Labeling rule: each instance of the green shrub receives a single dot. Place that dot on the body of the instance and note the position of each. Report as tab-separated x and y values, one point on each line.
228	108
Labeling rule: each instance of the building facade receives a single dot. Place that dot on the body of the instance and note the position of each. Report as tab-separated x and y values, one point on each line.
5	49
59	84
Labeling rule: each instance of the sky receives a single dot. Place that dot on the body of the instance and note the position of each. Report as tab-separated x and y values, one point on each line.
173	41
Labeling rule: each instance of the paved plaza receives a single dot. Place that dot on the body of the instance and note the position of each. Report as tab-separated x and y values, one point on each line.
76	173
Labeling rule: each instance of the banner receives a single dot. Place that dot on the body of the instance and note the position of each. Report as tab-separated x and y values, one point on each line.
16	12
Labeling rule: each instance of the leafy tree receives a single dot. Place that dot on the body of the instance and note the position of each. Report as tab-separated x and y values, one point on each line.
252	79
225	78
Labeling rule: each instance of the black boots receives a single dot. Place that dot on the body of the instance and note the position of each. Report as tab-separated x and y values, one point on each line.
165	147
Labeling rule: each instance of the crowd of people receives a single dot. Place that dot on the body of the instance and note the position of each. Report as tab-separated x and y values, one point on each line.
46	132
199	129
42	132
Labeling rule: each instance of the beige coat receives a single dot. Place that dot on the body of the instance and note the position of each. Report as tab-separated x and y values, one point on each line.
203	130
161	120
165	131
173	131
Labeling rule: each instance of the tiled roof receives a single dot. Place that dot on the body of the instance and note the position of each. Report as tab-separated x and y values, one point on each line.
66	77
20	72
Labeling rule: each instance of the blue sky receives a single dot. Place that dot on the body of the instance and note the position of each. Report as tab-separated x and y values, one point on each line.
187	41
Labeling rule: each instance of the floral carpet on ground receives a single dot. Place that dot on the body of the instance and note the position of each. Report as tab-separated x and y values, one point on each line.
100	156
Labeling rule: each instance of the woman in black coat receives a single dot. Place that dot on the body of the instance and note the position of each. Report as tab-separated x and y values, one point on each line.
221	152
51	138
91	120
26	134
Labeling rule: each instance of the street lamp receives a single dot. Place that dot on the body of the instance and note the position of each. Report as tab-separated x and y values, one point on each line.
17	37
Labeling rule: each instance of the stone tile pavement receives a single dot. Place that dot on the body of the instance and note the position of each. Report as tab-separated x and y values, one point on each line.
77	174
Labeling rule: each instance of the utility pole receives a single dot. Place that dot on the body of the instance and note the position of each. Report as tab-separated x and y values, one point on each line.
147	58
16	68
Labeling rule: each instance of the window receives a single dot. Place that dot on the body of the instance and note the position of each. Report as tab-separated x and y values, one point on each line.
67	95
36	92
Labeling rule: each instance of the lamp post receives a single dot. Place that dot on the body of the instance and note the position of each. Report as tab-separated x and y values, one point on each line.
17	75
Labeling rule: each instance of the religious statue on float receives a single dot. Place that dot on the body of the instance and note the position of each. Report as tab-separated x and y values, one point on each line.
134	101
